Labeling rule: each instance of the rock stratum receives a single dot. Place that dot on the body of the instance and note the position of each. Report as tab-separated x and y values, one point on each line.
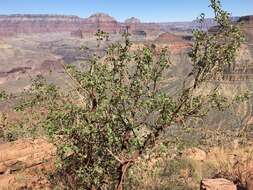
27	24
11	25
243	69
247	27
27	158
175	43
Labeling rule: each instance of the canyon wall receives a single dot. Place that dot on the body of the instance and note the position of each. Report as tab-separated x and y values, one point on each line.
11	25
27	24
243	68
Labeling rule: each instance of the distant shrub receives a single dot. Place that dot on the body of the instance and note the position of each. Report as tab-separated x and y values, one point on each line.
3	95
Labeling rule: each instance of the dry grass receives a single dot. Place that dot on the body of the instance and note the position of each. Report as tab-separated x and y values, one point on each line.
180	173
232	163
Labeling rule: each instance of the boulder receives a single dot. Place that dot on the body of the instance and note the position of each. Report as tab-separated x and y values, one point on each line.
249	180
217	184
25	159
250	184
25	153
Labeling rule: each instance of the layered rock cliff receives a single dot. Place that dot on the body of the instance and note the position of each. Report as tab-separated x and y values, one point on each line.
247	27
243	69
28	24
11	25
176	44
100	21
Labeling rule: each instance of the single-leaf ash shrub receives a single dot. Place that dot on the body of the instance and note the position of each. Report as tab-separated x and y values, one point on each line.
116	110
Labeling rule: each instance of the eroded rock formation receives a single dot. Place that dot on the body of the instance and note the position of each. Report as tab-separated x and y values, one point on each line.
247	27
243	67
100	21
26	159
11	25
28	24
176	44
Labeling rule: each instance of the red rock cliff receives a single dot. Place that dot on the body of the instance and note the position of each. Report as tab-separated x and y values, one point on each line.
16	24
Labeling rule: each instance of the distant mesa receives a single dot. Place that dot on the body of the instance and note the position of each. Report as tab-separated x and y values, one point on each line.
248	19
100	17
90	25
133	20
133	25
243	69
99	21
247	27
168	37
175	44
245	23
